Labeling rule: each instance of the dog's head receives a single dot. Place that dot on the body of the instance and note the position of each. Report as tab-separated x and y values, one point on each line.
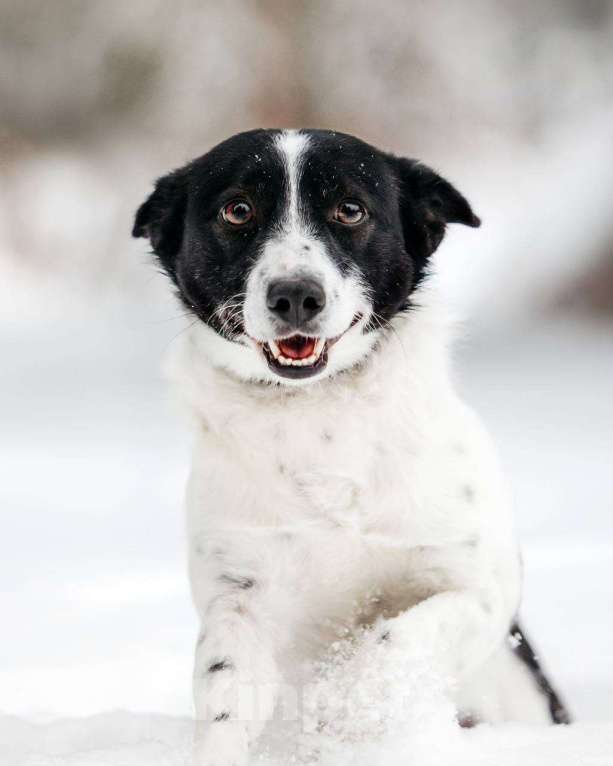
296	247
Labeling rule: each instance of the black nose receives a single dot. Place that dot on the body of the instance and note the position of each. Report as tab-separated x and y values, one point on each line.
296	300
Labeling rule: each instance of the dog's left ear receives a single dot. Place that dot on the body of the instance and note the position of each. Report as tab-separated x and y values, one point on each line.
161	218
427	204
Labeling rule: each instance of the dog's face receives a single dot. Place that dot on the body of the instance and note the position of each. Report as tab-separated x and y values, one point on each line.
296	248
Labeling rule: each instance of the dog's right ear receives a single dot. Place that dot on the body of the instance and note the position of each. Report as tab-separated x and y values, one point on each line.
161	218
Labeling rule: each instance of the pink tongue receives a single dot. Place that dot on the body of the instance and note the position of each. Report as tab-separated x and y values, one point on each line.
298	347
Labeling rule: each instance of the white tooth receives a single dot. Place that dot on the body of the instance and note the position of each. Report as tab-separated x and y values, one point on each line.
310	359
297	362
319	346
285	360
276	351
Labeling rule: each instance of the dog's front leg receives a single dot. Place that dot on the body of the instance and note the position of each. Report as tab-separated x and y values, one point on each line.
235	676
453	632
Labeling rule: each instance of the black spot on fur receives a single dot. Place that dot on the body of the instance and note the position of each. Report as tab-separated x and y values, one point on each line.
222	717
384	637
468	493
522	648
244	583
221	665
326	436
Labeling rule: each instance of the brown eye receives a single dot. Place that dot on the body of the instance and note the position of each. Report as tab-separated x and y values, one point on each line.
237	213
350	212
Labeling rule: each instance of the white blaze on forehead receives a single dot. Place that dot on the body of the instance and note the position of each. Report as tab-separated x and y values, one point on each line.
291	145
293	250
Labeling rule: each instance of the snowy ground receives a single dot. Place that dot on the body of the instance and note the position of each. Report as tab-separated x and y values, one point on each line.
96	614
123	739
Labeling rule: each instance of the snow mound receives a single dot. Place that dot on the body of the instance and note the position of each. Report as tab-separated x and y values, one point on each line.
128	739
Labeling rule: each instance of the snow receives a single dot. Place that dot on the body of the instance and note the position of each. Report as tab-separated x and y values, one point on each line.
130	739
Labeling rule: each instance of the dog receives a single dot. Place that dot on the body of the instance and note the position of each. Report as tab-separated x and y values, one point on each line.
340	488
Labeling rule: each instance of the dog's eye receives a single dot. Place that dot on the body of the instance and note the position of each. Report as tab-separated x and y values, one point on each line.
350	212
237	213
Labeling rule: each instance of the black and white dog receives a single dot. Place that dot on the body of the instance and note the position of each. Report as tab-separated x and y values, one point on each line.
340	488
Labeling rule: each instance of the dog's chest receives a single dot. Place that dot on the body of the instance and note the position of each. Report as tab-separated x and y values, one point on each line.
327	472
347	486
328	468
332	503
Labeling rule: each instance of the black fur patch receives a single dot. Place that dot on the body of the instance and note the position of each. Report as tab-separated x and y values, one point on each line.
522	648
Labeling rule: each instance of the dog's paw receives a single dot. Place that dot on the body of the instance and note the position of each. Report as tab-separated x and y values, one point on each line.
221	742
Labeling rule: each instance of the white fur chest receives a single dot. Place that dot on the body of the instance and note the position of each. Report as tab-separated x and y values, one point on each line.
318	460
343	496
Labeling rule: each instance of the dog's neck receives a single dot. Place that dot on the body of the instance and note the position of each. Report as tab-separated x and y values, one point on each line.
409	362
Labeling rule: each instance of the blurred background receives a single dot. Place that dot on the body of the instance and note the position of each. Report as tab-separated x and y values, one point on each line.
511	100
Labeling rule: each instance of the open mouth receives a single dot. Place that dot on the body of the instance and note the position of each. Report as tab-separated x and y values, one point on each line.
299	356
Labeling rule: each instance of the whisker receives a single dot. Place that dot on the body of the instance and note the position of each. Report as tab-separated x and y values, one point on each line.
387	326
184	315
181	331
